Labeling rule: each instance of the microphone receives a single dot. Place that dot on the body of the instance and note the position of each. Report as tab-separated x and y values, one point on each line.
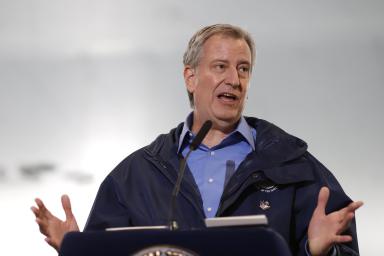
193	146
201	135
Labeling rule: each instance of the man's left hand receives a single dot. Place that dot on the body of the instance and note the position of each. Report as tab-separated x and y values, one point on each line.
325	229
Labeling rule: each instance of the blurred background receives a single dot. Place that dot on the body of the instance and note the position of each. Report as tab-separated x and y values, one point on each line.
84	83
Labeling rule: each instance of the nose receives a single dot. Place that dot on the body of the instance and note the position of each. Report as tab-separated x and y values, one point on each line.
232	78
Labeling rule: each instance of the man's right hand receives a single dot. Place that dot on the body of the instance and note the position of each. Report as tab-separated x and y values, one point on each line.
52	227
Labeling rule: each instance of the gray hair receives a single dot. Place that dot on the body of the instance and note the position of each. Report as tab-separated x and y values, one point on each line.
195	45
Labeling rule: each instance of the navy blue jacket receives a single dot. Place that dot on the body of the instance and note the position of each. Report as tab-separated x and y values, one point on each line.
280	173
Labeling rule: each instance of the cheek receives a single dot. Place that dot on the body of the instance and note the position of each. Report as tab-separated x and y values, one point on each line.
206	86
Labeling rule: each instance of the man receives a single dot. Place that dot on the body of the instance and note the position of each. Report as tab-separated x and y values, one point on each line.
243	166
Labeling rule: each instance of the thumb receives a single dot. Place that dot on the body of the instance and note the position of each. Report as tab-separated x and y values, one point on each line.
322	200
65	201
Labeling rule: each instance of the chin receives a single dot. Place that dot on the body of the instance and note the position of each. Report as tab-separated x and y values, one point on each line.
229	118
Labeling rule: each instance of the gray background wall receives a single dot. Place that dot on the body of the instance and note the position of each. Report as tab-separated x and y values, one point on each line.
84	83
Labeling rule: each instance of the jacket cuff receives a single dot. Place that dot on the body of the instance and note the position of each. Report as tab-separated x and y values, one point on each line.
332	251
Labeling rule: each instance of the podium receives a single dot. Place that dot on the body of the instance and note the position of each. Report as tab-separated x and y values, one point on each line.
208	241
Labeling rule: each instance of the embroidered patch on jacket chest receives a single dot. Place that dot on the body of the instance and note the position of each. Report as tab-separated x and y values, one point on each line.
264	205
267	186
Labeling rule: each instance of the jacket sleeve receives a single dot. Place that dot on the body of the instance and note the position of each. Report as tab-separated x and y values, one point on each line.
306	201
108	209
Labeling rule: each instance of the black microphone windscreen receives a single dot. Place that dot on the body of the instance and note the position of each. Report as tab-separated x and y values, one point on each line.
201	135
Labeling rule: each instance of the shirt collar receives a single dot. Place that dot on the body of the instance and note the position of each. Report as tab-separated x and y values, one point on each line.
187	123
243	128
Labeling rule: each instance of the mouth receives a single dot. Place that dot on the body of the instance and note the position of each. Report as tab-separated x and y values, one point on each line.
227	97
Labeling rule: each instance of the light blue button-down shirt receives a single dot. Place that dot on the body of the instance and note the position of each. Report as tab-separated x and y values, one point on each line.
212	167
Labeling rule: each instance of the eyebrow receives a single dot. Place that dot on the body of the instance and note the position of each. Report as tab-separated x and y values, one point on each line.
226	61
245	62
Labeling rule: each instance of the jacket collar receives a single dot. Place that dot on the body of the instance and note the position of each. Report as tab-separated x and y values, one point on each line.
242	128
274	148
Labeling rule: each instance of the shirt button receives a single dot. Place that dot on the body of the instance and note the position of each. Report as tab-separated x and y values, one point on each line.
212	153
210	180
209	209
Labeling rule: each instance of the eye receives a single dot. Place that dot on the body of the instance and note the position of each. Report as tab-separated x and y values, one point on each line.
244	69
220	67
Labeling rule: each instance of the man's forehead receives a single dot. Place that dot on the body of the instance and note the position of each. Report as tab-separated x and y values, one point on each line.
224	37
220	44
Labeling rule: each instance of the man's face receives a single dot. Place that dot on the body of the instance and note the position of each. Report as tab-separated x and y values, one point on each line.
220	81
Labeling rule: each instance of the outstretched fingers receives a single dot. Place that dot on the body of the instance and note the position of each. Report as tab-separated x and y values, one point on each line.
41	211
40	204
327	229
52	227
42	215
70	218
35	211
322	200
66	203
352	207
347	214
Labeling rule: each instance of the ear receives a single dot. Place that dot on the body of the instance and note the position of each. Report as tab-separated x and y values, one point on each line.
189	78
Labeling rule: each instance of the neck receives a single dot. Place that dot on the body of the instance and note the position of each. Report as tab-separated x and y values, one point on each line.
214	137
216	134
